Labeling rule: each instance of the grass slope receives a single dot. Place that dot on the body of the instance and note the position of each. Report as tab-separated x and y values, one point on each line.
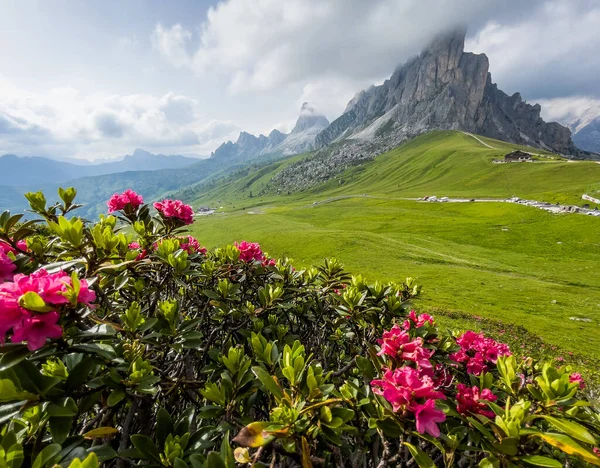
502	261
438	163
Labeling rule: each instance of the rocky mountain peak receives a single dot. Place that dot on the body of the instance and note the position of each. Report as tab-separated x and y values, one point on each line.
449	89
309	119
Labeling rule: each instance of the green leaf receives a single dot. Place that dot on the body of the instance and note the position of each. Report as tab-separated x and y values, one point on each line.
422	459
164	426
14	456
62	407
214	461
116	397
571	428
60	428
179	463
569	446
539	460
46	456
145	446
103	452
33	301
267	380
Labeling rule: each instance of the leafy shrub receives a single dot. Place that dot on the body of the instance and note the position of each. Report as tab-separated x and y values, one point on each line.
125	342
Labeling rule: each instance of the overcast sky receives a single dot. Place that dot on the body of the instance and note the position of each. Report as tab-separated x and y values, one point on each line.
96	79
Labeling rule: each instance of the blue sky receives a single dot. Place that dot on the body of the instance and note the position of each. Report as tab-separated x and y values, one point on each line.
94	80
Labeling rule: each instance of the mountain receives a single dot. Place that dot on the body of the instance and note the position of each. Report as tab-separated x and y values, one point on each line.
38	170
299	140
586	130
445	88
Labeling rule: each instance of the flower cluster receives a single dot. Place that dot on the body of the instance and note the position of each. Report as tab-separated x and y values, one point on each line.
175	209
191	245
576	377
414	389
417	321
471	400
477	352
49	291
397	343
128	201
249	251
7	253
407	390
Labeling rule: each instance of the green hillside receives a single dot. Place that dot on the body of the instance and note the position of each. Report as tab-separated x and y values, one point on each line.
438	163
509	262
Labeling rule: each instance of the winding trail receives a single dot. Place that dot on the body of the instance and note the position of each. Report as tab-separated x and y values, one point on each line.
479	140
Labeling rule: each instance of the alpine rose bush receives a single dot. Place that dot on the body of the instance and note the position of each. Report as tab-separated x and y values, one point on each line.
124	343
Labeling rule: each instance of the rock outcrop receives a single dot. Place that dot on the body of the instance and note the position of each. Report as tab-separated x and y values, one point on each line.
449	89
586	133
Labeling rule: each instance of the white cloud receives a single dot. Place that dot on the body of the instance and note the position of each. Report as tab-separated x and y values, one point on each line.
575	111
64	122
171	43
551	53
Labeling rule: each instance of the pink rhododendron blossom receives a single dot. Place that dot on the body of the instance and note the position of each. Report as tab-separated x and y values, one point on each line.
6	247
470	400
28	325
427	417
397	343
417	320
175	209
136	246
401	387
249	251
270	262
596	451
477	352
191	245
7	267
128	201
36	328
576	377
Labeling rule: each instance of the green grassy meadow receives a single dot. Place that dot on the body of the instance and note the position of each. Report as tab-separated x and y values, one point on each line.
501	261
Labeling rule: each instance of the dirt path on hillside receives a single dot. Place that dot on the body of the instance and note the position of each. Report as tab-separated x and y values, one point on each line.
479	140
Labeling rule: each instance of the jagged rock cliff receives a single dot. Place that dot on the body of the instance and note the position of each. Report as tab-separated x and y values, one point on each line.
299	140
445	88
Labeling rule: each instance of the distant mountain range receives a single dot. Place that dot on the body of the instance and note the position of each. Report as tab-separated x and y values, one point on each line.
39	170
443	88
300	139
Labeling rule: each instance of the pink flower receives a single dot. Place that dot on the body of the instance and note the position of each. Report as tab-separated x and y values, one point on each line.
418	320
478	352
191	245
175	209
576	377
596	451
427	417
470	400
10	312
401	387
36	328
136	246
28	325
272	262
128	201
249	251
396	343
21	245
7	267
